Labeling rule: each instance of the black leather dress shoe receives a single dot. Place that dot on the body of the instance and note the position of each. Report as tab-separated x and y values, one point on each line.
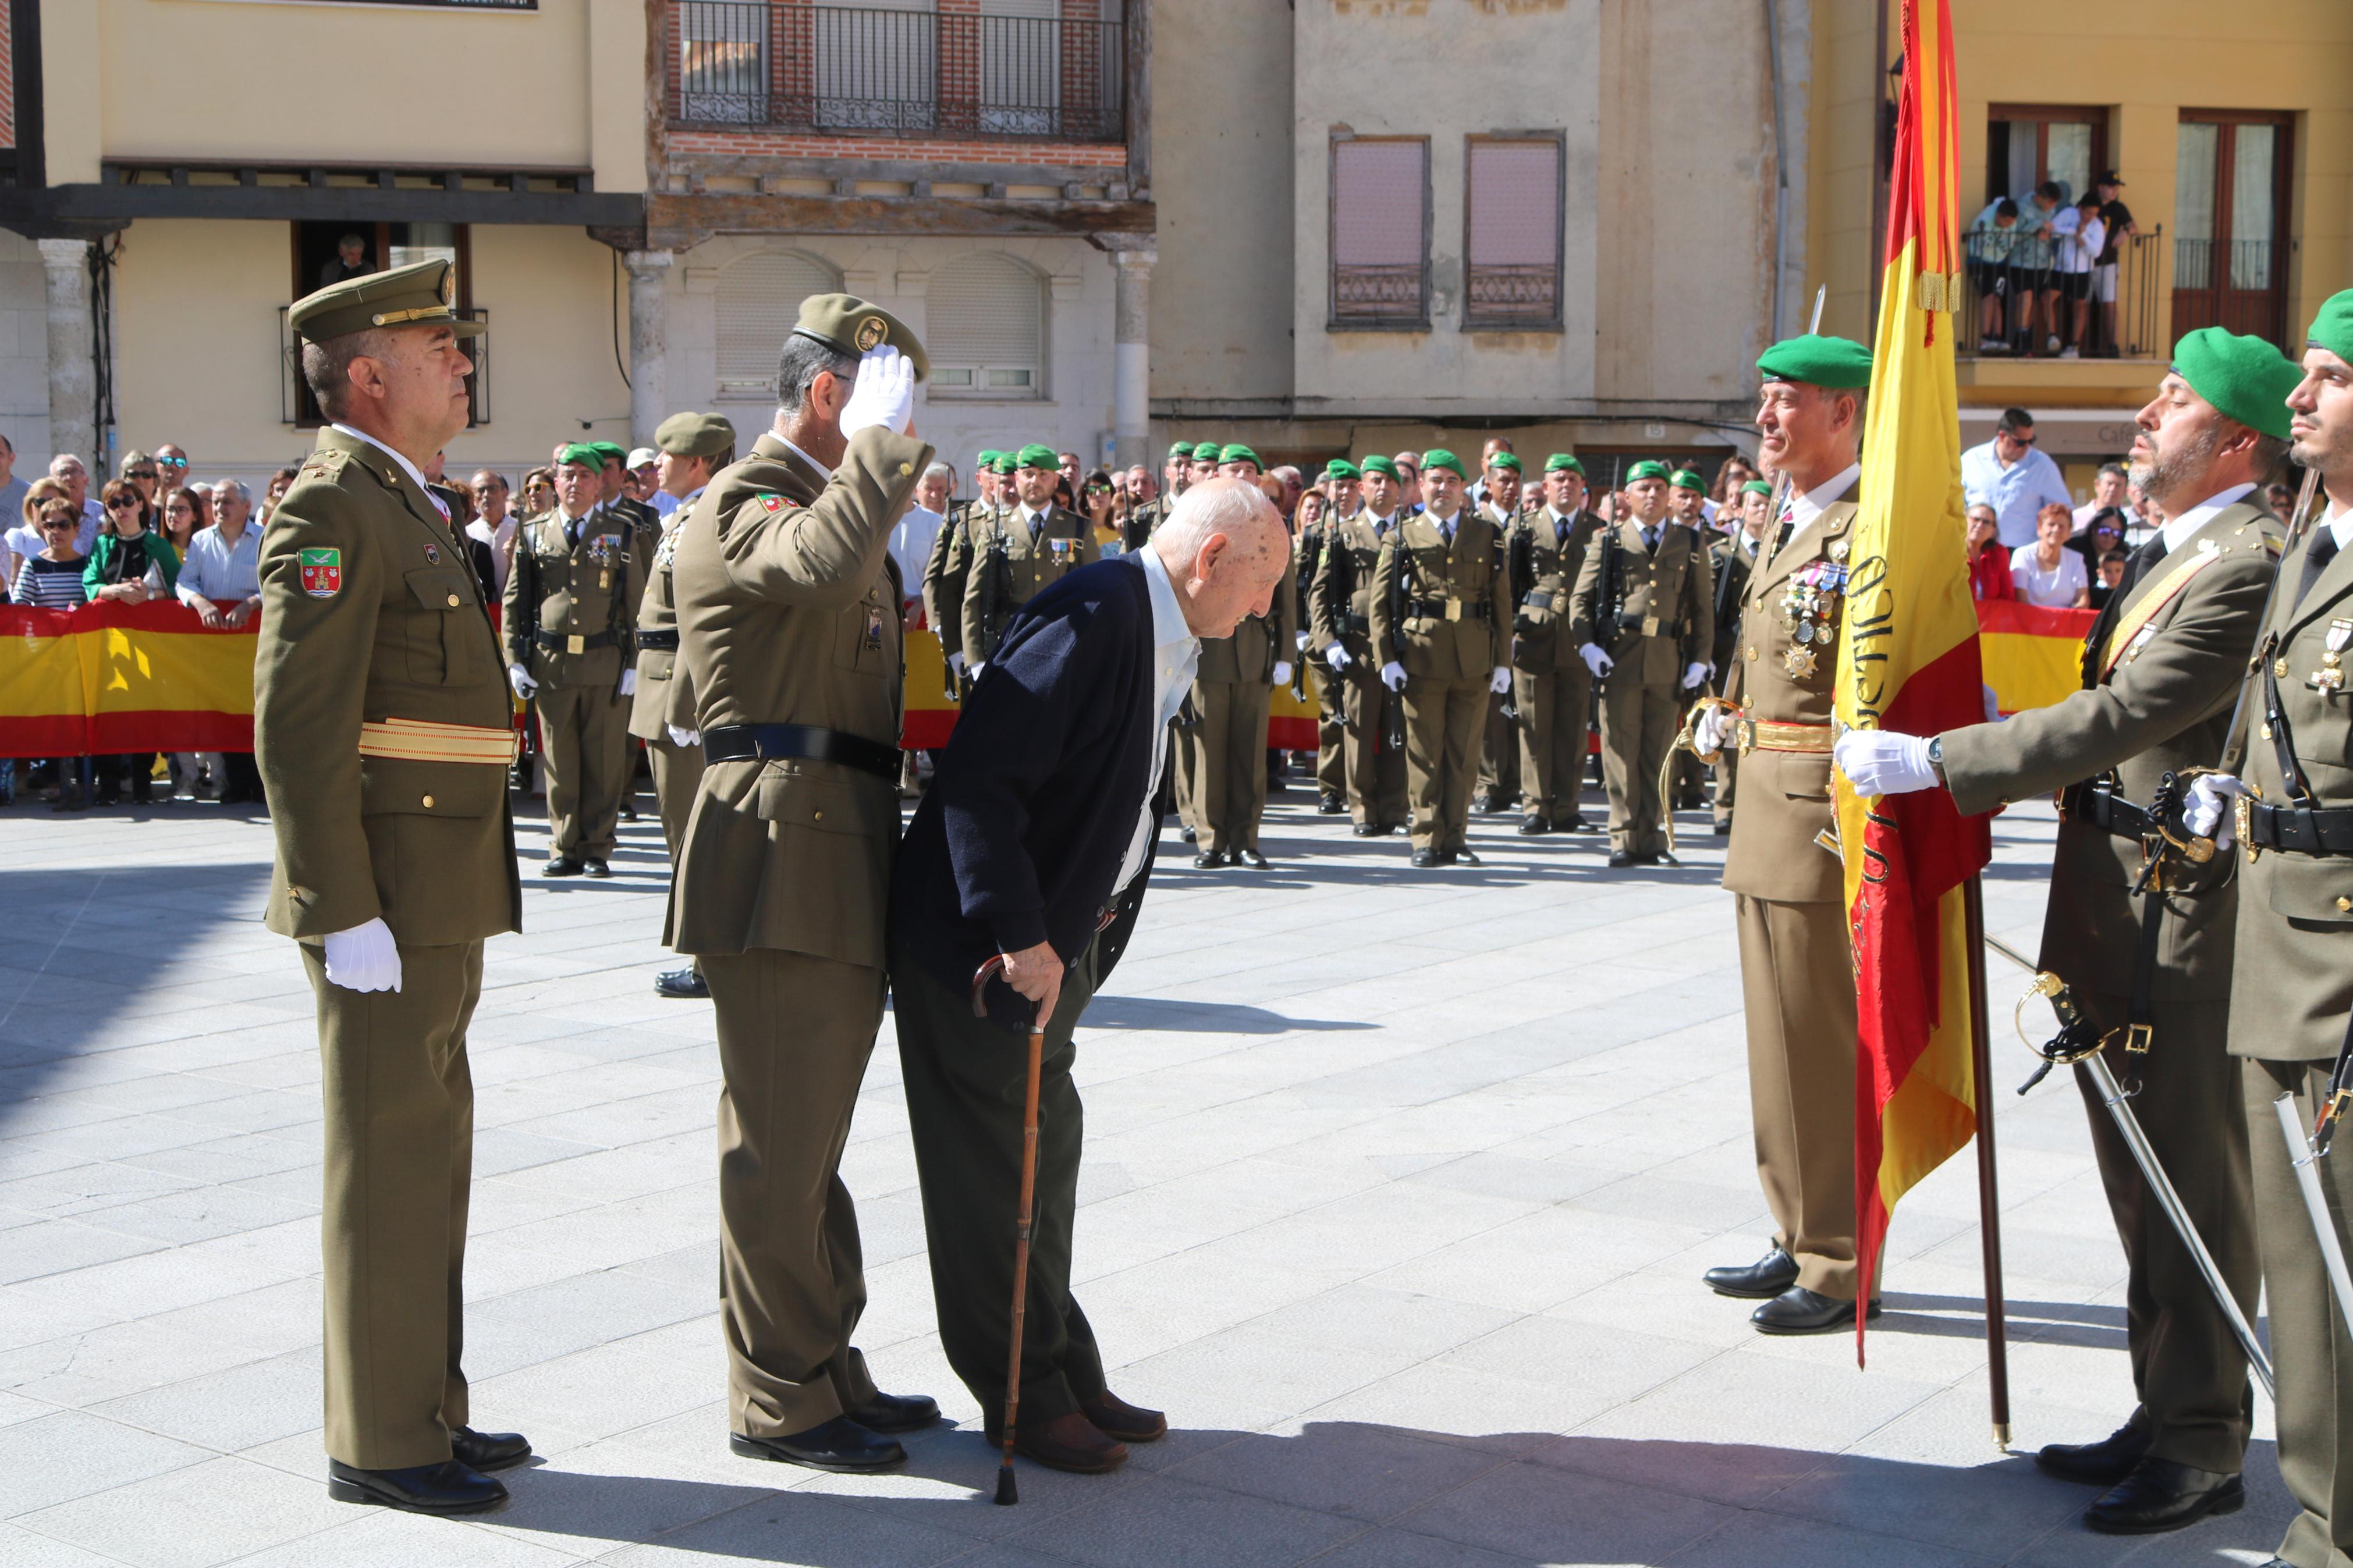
489	1450
840	1444
1461	858
685	985
897	1413
1765	1279
1423	860
2160	1495
1578	824
1534	823
1329	805
598	868
1187	835
1366	831
1724	830
2100	1464
1250	858
564	865
445	1487
1208	860
1798	1310
1620	859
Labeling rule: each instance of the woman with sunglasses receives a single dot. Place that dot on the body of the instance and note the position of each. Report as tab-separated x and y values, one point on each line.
51	578
130	563
1100	506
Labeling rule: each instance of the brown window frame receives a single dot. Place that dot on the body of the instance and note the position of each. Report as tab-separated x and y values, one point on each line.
302	411
1336	322
1472	322
2044	116
2283	231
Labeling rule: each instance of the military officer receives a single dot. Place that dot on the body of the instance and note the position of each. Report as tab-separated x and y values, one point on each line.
1436	622
1733	558
1498	788
1687	499
1316	540
1643	617
570	609
1343	602
612	481
1233	691
1236	461
1203	466
1176	471
693	446
1797	981
2160	669
789	631
1544	553
1019	551
950	566
384	733
1687	505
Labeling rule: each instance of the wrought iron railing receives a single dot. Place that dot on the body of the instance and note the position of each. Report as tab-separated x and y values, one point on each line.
1379	296
1517	296
790	65
2013	280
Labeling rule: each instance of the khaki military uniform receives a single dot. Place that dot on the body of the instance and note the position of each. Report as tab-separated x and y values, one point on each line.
382	729
788	614
1008	568
1666	623
1732	563
570	619
1233	692
2160	704
2290	1008
1551	688
1797	980
1499	751
1342	599
1308	552
945	572
1451	640
665	697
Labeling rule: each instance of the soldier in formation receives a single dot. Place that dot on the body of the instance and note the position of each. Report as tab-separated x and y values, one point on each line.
1735	557
1499	748
1233	692
1373	737
1016	550
1316	538
1552	690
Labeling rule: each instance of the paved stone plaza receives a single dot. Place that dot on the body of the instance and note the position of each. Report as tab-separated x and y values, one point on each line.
1398	1189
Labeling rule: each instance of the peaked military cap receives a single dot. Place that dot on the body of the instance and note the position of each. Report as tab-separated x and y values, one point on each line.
1181	449
849	323
2332	329
1559	461
1380	463
1034	456
2244	377
423	295
1840	364
1647	469
695	436
1238	453
1687	480
1341	468
1439	457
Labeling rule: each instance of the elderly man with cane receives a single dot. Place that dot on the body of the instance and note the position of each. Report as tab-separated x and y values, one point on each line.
1028	857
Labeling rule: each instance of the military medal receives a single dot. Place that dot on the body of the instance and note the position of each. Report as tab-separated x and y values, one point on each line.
2330	677
433	554
1799	662
873	629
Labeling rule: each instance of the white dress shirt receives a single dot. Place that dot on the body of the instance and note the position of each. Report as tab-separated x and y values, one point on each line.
216	570
2339	522
911	547
1804	506
410	468
498	539
2177	530
1175	653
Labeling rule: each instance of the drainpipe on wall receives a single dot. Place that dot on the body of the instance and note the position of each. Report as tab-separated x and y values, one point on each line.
1780	171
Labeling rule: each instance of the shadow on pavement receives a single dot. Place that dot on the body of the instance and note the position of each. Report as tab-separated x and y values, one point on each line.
1203	1017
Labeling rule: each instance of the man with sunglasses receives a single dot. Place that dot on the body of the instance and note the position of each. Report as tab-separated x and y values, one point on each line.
171	463
2009	475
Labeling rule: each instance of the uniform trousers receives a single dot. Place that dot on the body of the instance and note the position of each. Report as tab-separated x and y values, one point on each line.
1331	731
2188	1370
795	1032
2309	1348
964	1079
400	1129
1638	725
1797	987
1443	725
1228	752
1376	772
1499	753
588	767
1553	714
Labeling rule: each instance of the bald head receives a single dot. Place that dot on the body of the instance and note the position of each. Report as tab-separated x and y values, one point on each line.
1225	548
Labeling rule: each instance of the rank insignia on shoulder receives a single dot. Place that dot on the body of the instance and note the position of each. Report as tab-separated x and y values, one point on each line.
323	572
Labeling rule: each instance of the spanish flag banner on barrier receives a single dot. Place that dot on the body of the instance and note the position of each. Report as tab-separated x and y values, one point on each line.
112	678
2034	657
1908	662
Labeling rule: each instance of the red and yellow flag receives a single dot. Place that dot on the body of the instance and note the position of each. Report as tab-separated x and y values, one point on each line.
1908	662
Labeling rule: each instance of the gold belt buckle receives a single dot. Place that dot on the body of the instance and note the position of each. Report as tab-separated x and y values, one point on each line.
2242	817
1650	626
1743	734
1453	609
2136	1038
575	644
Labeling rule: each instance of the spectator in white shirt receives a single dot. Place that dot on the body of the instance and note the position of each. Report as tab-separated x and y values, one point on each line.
911	539
493	525
2108	488
2046	571
2009	475
2079	252
2051	219
67	470
223	562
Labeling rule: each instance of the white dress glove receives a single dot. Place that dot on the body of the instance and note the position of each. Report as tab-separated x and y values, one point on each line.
1503	682
1715	727
884	392
1881	761
978	668
1337	657
519	678
363	958
1282	672
2207	812
1992	704
956	662
1303	641
1599	663
628	682
1393	676
1693	673
678	737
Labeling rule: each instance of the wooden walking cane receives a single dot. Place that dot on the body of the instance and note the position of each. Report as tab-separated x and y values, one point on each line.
1008	1491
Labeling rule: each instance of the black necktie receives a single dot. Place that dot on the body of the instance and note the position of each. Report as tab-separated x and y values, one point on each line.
2143	562
2316	557
1649	539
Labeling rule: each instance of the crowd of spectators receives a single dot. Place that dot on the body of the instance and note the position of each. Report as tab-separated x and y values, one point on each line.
2029	541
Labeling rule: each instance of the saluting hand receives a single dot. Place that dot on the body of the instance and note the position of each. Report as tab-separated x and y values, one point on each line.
884	392
1036	974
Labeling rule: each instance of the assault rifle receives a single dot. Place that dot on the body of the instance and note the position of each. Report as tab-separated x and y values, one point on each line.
1393	724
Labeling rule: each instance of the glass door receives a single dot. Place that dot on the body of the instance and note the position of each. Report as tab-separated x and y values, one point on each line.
2230	251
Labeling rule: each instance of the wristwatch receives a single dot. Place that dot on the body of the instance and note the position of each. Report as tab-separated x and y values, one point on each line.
1936	759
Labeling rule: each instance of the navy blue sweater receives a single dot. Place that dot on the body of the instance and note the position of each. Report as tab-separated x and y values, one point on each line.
1034	803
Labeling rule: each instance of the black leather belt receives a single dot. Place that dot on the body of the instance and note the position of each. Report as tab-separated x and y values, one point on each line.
2301	830
2109	812
659	642
562	642
1435	609
1360	624
735	743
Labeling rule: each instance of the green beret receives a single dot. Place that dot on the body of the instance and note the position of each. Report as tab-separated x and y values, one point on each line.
1238	453
695	436
2333	327
1647	469
1006	463
1757	488
1341	468
585	453
1439	457
1205	451
1687	480
2245	378
1559	461
424	295
1035	456
1378	464
1504	460
1839	362
1181	449
849	323
987	458
610	452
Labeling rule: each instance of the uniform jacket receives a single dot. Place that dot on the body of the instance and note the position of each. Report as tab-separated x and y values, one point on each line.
370	611
1784	797
788	613
1467	574
1066	542
1307	548
1669	611
587	589
2162	709
664	695
1259	643
944	575
1341	598
1541	621
2295	979
1730	564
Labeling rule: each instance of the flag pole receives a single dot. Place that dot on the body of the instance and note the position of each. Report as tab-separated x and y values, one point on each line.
1988	1187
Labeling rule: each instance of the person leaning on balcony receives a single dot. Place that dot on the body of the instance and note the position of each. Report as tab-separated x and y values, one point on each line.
2117	221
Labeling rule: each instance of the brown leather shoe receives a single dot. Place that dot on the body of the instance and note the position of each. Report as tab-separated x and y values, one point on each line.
1116	1417
1070	1443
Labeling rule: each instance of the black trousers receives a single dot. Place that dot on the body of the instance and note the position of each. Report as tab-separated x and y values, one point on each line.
963	1084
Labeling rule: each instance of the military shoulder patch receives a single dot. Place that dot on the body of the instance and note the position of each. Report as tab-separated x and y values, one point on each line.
771	502
322	570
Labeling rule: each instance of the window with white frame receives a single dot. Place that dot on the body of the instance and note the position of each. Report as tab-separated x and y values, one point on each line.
759	299
986	329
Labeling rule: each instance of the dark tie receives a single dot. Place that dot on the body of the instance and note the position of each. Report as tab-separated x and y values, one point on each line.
2144	560
2316	557
1650	538
1560	531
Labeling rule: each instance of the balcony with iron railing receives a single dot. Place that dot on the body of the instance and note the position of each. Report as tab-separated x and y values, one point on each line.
786	65
2014	282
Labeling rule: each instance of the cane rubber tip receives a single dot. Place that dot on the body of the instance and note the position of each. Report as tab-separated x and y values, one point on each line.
1008	1494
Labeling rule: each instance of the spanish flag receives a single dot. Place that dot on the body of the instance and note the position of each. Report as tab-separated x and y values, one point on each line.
1908	662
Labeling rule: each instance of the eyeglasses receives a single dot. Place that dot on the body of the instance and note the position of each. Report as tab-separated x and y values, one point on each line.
143	474
57	525
122	503
2017	440
174	462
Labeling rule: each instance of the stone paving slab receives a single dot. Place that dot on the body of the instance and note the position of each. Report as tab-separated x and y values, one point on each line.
1397	1186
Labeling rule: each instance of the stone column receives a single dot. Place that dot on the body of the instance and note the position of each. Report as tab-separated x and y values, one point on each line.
1132	355
73	380
648	342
